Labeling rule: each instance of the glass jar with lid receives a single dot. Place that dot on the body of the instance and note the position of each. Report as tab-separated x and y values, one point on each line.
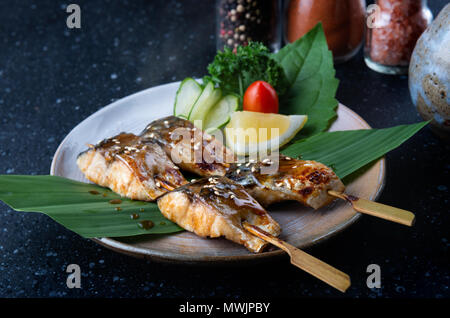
393	27
241	21
342	20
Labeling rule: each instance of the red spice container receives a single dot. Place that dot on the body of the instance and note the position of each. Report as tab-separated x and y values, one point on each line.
393	27
342	20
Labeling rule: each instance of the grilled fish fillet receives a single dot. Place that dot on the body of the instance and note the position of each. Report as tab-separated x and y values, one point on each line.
189	147
130	167
304	181
215	207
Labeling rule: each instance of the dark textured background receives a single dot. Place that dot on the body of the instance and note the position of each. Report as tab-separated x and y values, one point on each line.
51	78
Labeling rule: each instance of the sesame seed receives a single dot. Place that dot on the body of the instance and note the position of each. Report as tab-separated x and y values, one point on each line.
158	184
212	180
216	192
288	185
238	171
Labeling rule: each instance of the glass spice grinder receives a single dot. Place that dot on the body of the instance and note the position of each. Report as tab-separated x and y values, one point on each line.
393	27
342	22
241	21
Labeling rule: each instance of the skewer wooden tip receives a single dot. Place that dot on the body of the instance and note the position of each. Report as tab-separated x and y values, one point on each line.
377	209
304	261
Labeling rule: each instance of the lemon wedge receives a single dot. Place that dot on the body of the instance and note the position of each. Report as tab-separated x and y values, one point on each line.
251	132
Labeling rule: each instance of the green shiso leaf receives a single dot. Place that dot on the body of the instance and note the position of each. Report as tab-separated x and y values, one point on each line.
308	66
348	151
71	204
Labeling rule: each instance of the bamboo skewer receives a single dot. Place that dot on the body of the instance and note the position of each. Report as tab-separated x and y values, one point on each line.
302	260
377	209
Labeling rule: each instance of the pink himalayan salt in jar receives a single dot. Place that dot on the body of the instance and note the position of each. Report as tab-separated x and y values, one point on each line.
393	27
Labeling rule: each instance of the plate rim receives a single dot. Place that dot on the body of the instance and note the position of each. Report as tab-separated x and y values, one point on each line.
170	257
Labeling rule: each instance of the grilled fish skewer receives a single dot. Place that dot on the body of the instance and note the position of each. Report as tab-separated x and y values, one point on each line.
216	206
189	147
130	167
310	183
305	181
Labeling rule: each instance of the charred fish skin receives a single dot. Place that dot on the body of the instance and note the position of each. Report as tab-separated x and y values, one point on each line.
215	207
130	167
305	181
189	147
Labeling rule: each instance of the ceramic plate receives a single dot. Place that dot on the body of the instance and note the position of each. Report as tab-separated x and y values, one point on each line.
301	226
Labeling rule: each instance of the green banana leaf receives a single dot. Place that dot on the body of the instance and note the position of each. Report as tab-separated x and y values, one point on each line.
83	208
348	151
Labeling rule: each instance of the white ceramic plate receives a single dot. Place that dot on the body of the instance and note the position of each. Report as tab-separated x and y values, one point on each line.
301	226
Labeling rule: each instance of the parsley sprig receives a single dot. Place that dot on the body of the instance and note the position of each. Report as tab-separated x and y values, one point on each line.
235	71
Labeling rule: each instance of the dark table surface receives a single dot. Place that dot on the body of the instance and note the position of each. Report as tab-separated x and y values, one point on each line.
51	78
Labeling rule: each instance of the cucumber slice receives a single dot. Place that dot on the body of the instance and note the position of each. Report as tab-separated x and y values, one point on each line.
187	94
208	98
220	114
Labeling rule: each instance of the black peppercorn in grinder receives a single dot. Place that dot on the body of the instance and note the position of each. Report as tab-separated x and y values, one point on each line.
240	21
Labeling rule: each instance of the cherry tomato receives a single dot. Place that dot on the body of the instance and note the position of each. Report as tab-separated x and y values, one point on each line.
261	97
